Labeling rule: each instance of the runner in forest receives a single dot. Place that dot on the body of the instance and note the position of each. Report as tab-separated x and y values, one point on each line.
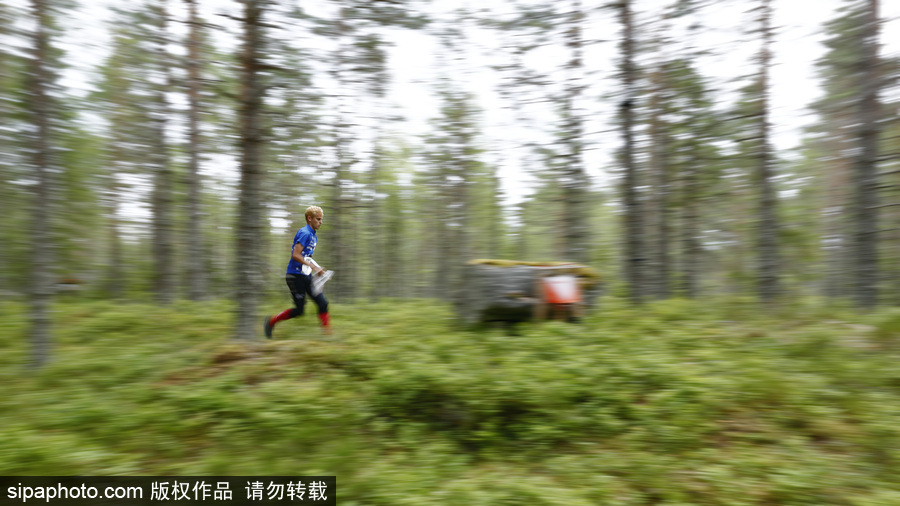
300	271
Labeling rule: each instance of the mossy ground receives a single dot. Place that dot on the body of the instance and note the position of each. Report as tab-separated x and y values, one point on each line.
673	403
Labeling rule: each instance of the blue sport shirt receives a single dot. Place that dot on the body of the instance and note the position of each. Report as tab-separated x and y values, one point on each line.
306	236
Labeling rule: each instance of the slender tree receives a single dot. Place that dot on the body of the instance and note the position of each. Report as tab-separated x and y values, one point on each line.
691	195
249	227
659	161
196	273
382	272
10	70
889	179
633	212
163	184
846	140
340	198
769	265
40	108
865	162
574	180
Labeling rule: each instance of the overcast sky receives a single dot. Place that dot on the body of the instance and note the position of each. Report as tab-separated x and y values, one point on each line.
797	46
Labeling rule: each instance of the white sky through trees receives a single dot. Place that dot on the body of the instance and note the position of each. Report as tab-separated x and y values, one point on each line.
725	31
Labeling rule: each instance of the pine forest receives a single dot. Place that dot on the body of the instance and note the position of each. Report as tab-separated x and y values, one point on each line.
729	170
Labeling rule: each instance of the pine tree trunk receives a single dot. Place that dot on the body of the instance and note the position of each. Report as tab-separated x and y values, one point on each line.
340	221
115	282
449	239
659	165
164	279
398	272
443	246
375	235
890	243
7	163
575	182
249	223
197	279
427	259
353	229
690	228
836	240
6	204
633	225
865	164
41	274
495	232
464	223
769	265
338	231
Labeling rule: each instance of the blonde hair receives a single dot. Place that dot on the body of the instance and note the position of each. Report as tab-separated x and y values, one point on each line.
313	211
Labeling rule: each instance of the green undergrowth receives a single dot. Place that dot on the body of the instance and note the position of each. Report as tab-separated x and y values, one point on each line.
673	403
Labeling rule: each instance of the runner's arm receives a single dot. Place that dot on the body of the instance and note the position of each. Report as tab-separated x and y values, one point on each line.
297	255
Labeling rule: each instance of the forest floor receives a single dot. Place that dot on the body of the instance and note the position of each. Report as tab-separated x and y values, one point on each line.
674	403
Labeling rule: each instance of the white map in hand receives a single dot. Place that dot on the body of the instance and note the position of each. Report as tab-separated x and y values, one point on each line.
318	282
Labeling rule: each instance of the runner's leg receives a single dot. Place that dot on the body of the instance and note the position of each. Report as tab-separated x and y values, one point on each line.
322	305
298	286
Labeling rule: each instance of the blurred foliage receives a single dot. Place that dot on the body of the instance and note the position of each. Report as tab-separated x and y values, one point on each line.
676	402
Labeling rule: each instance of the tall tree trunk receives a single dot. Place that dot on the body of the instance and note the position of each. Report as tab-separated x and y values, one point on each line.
164	269
250	220
7	162
339	233
197	279
835	210
890	243
41	274
376	234
865	163
115	282
634	248
443	246
574	183
338	224
659	163
457	237
398	272
690	229
495	231
769	265
6	203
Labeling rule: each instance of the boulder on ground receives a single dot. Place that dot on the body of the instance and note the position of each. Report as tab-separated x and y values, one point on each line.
512	291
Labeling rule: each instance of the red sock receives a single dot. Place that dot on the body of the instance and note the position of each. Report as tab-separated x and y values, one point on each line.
284	315
323	317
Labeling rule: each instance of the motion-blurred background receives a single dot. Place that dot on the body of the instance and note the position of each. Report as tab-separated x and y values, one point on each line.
730	169
683	148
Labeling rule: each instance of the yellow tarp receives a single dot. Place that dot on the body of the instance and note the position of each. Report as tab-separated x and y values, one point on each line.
581	270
